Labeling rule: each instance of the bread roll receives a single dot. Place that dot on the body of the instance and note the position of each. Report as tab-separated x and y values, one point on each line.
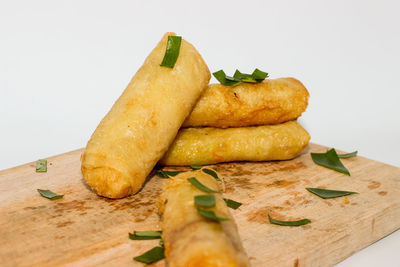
272	101
258	143
189	238
143	122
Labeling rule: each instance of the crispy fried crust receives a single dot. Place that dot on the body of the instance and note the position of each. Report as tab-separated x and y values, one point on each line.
272	101
259	143
189	238
143	122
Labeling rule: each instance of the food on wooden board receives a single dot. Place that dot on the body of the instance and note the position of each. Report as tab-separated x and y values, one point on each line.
260	143
144	121
194	235
272	101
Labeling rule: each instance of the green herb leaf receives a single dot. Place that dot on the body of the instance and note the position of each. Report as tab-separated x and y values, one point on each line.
145	235
196	166
329	160
289	223
152	255
248	78
167	174
259	75
41	165
232	204
212	173
326	193
48	194
226	80
172	51
211	215
204	200
200	186
161	243
348	155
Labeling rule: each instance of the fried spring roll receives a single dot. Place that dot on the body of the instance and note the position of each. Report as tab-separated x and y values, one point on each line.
259	143
272	101
144	121
189	238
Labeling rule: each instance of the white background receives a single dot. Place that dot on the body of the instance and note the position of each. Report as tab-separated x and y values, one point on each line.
64	63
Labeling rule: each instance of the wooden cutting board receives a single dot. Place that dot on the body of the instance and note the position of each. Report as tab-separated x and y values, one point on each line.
83	229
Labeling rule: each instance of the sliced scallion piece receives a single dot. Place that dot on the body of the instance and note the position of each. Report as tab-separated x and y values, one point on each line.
209	214
167	174
41	165
172	51
212	173
48	194
330	160
204	200
326	193
145	235
196	166
232	203
152	255
288	223
348	155
200	186
226	80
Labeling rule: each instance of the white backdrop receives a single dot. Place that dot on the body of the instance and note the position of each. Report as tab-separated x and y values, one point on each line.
64	63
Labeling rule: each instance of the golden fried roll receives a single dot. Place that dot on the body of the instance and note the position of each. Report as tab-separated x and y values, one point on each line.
143	122
189	238
258	143
272	101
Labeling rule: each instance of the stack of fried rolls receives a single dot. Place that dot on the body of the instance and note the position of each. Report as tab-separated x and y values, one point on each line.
247	122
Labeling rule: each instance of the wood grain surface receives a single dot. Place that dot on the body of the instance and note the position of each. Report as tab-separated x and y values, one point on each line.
82	229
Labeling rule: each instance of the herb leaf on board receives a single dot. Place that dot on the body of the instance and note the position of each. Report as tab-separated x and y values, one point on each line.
330	160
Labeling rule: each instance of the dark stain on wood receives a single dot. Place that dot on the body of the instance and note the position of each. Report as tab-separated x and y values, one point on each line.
374	185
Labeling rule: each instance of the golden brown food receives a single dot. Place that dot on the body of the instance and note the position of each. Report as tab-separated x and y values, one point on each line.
259	143
189	238
272	101
143	122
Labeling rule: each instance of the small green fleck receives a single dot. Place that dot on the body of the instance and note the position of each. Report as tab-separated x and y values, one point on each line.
211	215
167	174
145	235
41	165
205	200
200	186
150	256
232	204
326	193
48	194
288	223
329	160
172	51
212	173
196	166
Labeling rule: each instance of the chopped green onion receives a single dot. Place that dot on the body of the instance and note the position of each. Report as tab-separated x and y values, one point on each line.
152	255
200	186
41	165
256	77
259	75
326	193
172	51
289	223
212	173
204	200
329	160
211	215
167	174
48	194
348	155
225	80
232	204
196	166
145	235
161	242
